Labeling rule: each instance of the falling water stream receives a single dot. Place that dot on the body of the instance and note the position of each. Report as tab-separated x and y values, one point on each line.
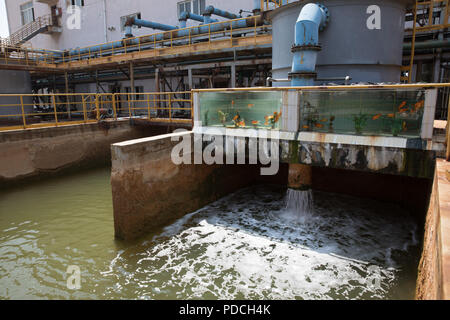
299	203
247	245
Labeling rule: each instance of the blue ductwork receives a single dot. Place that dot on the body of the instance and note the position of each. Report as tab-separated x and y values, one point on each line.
312	18
126	44
209	10
152	25
184	16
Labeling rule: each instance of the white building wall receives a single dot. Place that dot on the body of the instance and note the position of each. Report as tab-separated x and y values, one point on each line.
93	20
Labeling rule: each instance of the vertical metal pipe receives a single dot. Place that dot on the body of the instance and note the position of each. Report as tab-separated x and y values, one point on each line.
233	75
312	18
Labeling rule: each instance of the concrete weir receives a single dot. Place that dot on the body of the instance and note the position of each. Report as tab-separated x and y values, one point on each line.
150	190
35	153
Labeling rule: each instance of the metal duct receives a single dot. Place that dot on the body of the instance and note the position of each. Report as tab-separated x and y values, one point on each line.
312	18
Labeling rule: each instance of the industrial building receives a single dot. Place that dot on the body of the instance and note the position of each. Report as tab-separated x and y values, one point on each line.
347	96
51	25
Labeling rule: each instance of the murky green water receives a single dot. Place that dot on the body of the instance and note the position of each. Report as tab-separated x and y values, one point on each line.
244	246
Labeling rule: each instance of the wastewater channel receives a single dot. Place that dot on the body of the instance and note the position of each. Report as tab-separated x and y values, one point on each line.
246	245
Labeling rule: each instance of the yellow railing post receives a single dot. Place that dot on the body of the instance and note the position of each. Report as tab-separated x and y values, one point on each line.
154	104
413	44
129	104
114	106
170	107
255	28
447	139
97	106
148	106
54	109
23	112
84	108
231	33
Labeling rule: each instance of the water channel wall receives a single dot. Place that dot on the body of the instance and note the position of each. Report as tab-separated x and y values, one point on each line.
433	282
36	153
150	191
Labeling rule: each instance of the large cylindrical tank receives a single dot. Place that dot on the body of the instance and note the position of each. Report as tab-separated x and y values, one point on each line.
14	82
350	45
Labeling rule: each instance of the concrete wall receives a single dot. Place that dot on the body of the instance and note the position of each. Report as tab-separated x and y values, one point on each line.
434	268
96	29
17	82
46	151
150	191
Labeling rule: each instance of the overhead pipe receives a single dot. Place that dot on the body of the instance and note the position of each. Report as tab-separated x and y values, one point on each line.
432	44
210	10
185	15
312	18
132	21
119	46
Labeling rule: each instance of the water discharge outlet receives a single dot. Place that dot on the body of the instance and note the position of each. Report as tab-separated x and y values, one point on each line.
312	18
299	195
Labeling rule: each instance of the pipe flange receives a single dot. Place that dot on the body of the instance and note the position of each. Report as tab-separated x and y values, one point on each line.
310	75
327	19
310	47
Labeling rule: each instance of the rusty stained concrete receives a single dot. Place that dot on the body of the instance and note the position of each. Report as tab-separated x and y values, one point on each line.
387	160
433	282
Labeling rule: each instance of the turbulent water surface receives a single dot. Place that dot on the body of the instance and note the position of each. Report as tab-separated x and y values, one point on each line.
244	246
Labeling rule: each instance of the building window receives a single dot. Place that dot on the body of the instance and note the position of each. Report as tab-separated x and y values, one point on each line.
79	3
123	20
27	12
194	6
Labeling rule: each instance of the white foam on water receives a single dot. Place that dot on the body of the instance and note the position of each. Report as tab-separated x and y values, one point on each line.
244	247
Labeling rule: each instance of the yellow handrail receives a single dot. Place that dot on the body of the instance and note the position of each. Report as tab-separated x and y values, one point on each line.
172	39
25	111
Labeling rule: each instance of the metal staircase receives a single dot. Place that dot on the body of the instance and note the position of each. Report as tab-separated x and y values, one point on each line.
42	24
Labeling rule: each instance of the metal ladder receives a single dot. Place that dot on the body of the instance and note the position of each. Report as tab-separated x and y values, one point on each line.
425	7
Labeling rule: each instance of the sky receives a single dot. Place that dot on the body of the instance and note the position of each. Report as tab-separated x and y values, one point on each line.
3	20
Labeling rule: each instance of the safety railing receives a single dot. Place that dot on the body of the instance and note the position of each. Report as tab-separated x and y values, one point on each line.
196	38
272	4
155	106
432	15
16	55
26	111
427	16
218	35
27	31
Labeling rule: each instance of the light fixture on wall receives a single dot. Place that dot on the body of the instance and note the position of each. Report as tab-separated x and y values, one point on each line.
112	29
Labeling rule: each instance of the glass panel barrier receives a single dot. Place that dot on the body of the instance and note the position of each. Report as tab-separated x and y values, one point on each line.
393	112
241	109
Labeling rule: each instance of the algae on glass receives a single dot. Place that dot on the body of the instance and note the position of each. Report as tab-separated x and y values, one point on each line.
386	112
247	109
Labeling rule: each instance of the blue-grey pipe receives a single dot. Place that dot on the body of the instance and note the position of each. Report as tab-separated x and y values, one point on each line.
120	45
184	16
152	25
209	10
312	18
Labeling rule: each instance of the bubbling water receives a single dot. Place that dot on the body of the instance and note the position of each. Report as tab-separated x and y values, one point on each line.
299	203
